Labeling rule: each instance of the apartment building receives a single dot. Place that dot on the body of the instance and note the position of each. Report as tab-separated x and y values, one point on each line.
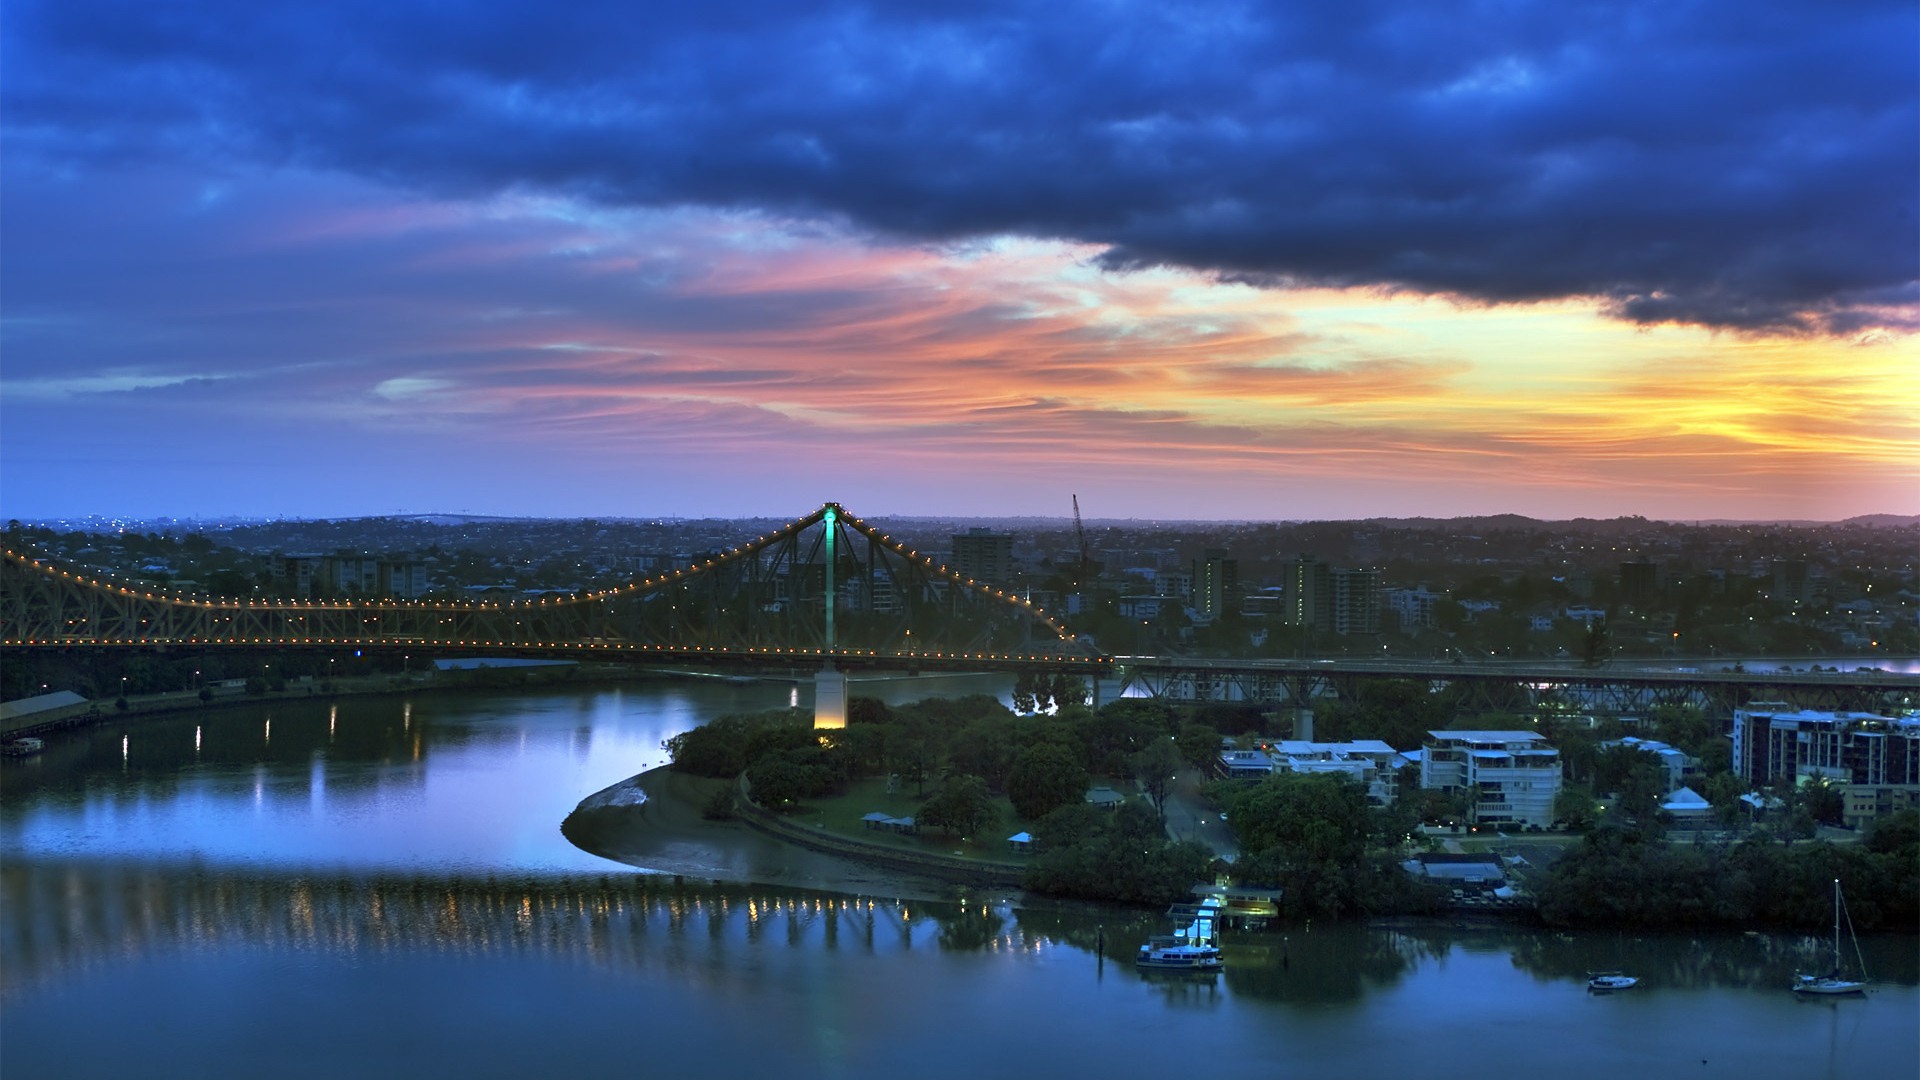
1511	777
1875	758
1369	762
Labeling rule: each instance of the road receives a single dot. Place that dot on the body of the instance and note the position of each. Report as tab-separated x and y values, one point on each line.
1190	817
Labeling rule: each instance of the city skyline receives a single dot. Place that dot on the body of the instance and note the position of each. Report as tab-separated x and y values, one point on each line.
1217	264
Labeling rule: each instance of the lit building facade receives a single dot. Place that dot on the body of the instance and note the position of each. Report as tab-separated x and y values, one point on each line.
1216	585
1330	598
1511	777
1875	758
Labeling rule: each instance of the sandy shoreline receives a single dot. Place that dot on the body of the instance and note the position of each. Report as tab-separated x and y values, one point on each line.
664	832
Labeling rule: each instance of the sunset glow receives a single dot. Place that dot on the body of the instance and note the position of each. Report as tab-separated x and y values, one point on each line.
250	335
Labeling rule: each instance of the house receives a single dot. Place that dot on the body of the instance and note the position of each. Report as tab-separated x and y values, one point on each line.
1677	763
1369	762
1688	807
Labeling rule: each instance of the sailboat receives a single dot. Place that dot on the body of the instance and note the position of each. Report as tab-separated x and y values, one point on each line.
1834	982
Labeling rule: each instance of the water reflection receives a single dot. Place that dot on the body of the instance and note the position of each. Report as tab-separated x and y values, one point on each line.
1685	961
822	965
397	869
63	916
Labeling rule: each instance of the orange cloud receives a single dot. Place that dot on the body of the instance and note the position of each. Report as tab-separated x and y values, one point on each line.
1023	358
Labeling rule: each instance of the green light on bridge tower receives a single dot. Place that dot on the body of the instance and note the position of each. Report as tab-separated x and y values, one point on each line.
830	686
832	519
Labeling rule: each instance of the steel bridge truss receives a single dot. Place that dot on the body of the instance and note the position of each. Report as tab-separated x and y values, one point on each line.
1516	690
828	587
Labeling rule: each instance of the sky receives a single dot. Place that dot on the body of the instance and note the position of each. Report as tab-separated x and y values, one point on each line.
1197	261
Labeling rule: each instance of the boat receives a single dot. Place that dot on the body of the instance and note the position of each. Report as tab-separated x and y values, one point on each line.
1173	953
1192	945
1834	983
23	747
1606	982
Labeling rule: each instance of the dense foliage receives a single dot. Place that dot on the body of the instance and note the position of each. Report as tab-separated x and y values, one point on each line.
961	806
1632	878
1122	854
1314	838
964	756
724	746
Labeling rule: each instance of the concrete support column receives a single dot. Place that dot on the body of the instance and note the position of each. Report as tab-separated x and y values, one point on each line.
829	699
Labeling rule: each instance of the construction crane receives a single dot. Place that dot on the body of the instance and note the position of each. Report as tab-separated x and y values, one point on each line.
1081	572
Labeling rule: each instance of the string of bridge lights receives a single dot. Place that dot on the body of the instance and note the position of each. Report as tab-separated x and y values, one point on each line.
753	547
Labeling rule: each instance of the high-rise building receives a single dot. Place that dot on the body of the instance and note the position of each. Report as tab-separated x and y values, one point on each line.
1792	583
1639	580
1332	598
1309	585
1216	584
983	555
405	579
1356	601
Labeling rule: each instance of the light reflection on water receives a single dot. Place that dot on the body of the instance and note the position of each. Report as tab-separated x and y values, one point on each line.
442	782
382	890
511	973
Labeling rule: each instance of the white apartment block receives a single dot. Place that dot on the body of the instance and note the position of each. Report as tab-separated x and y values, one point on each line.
1511	776
1371	763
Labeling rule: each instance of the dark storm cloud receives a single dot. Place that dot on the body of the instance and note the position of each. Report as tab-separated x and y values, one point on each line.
1722	162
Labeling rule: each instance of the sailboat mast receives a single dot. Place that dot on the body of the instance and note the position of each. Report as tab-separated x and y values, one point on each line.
1836	925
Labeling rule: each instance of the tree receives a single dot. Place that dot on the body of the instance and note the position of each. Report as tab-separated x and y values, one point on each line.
866	710
985	748
1154	768
780	781
1576	808
1824	801
1068	690
1308	835
1685	727
1120	856
1597	644
1023	696
1043	778
1895	833
1723	791
1199	745
961	805
1635	779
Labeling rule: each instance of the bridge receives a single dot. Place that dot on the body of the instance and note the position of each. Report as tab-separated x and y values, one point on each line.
1620	687
833	591
826	589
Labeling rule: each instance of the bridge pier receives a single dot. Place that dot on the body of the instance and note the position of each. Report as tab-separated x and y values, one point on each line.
829	699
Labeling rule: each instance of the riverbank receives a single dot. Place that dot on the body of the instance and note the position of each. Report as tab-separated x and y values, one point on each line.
656	822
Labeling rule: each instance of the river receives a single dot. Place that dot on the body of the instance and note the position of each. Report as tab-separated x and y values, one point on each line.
378	887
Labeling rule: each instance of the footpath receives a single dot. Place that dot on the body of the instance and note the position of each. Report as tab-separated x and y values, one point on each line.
957	869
